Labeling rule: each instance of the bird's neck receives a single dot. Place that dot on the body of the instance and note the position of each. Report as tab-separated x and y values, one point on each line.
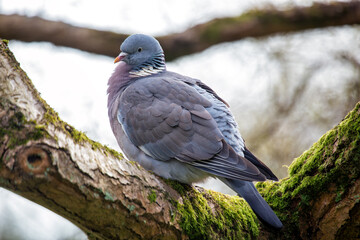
118	81
153	65
124	74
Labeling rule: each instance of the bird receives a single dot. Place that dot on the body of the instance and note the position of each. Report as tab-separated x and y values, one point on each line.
178	127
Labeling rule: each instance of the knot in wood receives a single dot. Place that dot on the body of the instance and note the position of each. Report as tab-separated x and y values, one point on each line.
34	160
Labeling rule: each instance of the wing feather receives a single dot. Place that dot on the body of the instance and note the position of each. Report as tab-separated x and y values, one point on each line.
168	120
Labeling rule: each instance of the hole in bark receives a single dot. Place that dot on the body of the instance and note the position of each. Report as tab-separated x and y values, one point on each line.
34	159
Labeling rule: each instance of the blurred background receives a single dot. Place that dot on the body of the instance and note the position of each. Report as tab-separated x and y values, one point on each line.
286	90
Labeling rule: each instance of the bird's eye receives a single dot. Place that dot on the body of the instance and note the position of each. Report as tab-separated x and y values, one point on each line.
139	49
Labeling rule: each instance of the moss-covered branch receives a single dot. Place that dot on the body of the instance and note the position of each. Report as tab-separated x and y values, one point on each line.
255	23
321	197
49	162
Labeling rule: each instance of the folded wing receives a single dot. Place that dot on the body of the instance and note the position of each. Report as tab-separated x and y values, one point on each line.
168	120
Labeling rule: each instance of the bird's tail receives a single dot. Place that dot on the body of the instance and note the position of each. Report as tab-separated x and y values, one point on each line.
262	210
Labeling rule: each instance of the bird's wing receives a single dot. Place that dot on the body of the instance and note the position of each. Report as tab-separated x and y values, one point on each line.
168	119
260	165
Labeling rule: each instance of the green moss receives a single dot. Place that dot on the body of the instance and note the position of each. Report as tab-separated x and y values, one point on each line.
76	135
181	188
18	130
332	161
17	121
236	212
135	164
152	196
39	132
229	217
80	137
52	117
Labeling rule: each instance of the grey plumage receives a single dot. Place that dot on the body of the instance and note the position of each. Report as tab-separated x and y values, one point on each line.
178	127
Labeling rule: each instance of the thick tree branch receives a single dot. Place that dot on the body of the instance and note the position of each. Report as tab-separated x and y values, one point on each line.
320	199
49	162
256	23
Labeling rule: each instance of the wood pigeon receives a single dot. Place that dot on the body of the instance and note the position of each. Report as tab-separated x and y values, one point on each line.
178	127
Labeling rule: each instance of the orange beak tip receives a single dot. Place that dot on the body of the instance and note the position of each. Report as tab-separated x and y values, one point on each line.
117	59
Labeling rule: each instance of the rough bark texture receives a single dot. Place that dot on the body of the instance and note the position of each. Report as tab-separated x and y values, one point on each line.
49	162
256	23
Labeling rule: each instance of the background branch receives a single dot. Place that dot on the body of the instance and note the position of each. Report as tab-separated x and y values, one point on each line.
255	23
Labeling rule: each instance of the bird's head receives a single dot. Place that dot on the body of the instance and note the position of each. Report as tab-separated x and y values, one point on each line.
139	49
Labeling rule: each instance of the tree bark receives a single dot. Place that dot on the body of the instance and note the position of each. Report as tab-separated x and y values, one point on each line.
255	23
47	161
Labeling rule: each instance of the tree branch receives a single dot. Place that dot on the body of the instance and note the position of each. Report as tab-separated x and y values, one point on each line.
320	199
49	162
255	23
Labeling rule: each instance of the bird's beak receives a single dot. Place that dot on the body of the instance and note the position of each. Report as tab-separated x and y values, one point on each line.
121	56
